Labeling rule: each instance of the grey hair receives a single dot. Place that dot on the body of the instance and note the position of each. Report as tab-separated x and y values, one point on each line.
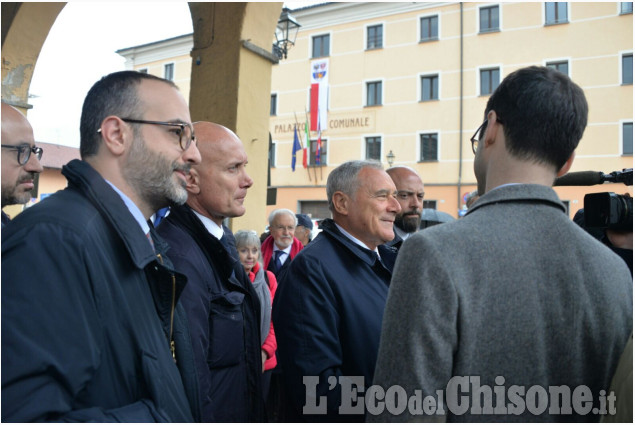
344	178
275	213
246	238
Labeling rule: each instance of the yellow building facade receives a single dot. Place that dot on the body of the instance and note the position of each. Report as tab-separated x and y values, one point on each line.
411	81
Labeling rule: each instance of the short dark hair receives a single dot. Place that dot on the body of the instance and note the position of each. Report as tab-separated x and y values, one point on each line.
543	113
113	94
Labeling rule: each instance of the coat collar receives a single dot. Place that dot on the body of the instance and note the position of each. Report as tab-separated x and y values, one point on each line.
519	192
85	178
387	253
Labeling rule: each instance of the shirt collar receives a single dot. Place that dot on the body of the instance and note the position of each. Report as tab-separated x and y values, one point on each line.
287	250
133	208
210	225
354	239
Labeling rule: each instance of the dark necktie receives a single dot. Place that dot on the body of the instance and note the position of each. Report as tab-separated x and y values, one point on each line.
277	260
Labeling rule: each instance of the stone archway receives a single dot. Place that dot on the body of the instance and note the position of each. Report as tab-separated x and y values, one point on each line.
230	84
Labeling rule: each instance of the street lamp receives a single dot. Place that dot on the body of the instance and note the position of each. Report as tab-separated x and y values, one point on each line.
391	158
286	32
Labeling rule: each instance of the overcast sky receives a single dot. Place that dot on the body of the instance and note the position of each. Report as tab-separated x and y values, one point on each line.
80	49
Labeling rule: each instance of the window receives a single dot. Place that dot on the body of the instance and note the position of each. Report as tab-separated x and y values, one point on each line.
321	45
373	93
168	71
430	204
555	13
490	78
272	155
488	18
627	68
315	209
562	66
626	7
273	106
373	148
627	138
322	154
429	147
375	37
429	87
429	28
143	70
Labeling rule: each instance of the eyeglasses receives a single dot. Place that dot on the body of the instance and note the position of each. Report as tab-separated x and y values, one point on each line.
478	135
24	152
185	131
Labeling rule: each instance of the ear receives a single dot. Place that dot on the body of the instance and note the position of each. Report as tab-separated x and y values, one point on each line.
492	128
567	165
114	133
341	202
193	182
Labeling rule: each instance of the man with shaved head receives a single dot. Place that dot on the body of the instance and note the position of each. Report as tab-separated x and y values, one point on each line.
19	166
410	197
222	306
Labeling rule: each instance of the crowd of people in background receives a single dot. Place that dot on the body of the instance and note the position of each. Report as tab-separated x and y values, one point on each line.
126	297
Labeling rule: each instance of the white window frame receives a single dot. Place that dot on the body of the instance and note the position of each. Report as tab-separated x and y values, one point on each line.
310	43
365	94
363	147
478	77
620	57
478	17
568	60
621	147
428	74
428	15
543	12
173	70
383	35
432	131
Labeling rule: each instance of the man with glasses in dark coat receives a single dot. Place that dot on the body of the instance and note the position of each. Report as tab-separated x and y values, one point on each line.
91	325
20	159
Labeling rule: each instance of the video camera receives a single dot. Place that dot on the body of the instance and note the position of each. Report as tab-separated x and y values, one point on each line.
604	210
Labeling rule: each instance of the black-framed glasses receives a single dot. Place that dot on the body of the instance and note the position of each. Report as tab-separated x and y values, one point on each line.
183	130
478	134
24	152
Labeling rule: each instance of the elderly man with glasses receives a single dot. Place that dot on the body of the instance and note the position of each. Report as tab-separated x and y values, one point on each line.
92	329
19	166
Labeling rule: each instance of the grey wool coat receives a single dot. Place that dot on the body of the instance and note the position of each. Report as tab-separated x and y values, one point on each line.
513	294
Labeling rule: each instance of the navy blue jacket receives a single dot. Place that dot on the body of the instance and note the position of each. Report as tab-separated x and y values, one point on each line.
327	314
87	313
224	314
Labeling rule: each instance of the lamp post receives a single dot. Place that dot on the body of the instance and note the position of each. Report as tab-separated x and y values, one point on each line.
391	158
286	32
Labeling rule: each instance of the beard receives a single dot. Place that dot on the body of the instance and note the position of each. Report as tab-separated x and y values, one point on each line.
151	176
408	224
12	196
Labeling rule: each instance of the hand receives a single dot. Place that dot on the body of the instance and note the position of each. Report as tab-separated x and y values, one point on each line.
263	353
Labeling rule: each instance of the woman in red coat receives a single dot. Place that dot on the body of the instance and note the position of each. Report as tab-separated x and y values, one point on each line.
265	285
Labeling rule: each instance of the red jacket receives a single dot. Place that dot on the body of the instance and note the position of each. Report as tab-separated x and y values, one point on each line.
270	345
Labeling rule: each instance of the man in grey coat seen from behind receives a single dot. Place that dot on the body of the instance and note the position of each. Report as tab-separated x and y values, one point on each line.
515	313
